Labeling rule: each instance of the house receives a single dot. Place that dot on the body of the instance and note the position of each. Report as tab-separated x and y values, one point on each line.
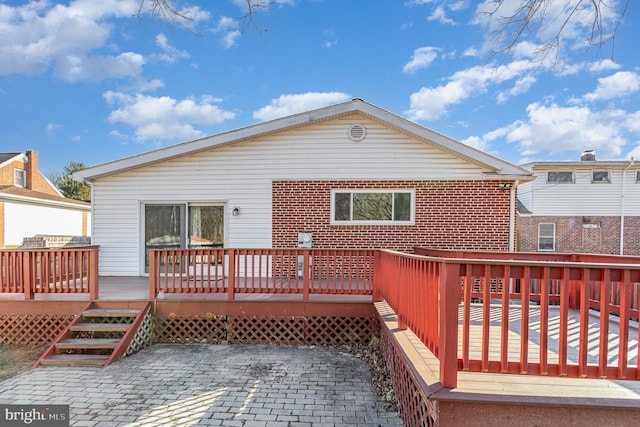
586	206
351	175
31	205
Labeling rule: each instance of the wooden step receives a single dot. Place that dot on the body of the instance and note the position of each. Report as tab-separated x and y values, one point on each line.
75	360
100	327
110	312
85	344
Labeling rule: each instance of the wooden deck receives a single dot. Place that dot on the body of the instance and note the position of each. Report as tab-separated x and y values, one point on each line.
136	288
518	389
514	335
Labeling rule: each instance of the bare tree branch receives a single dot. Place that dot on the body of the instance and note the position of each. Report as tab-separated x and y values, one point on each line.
164	11
532	17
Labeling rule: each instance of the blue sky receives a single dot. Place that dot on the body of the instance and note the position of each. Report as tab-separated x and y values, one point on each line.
86	81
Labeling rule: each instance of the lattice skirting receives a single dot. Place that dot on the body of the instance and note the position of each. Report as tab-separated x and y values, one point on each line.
32	328
144	335
414	406
281	330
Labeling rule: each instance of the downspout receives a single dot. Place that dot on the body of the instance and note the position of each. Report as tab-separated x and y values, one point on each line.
512	217
622	196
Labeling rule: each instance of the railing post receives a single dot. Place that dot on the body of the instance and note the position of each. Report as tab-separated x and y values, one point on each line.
401	295
448	331
154	277
377	276
27	272
94	286
232	275
305	274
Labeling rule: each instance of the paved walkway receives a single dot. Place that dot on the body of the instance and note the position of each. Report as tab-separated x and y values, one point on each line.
211	385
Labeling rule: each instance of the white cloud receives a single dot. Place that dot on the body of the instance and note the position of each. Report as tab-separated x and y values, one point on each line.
422	58
229	30
171	54
569	23
155	118
74	68
287	105
522	86
433	102
52	127
38	35
616	85
551	129
440	15
603	65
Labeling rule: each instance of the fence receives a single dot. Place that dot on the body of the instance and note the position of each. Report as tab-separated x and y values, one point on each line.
280	271
517	315
50	271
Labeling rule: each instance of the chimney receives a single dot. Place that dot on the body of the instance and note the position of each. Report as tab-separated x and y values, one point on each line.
588	156
31	168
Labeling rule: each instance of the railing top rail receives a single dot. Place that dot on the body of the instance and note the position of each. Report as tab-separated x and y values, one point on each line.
59	249
271	249
516	262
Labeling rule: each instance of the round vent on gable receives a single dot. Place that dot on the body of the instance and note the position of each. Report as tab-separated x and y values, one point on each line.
357	132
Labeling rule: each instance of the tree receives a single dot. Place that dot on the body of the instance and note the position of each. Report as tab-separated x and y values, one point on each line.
165	11
550	22
68	187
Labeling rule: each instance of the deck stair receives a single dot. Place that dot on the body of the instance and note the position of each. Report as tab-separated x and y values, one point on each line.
97	337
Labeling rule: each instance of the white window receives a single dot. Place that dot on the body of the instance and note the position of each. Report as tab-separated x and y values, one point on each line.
560	177
20	178
372	206
601	176
546	237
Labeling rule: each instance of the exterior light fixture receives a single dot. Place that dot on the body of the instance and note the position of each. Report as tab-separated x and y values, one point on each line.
235	211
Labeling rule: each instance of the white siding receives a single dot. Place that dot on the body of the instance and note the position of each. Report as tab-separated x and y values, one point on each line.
240	175
584	198
26	220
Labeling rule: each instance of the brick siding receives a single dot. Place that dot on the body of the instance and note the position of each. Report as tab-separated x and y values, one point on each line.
466	215
34	180
576	234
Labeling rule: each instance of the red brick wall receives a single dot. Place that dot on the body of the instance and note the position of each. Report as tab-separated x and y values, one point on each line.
573	237
34	180
469	215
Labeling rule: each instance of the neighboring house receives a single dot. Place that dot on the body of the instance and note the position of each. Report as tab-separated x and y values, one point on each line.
352	175
30	204
586	206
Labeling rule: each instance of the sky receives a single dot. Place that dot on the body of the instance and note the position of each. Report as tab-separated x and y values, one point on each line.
89	81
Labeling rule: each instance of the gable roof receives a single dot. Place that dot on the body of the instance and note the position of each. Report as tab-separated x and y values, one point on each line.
500	169
10	192
6	158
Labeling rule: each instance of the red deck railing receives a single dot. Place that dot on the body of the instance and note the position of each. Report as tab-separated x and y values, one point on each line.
244	271
506	313
50	271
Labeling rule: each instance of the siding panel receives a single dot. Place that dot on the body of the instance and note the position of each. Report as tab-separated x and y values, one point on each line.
241	175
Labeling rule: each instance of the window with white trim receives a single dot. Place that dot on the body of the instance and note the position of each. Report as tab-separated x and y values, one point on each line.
20	178
546	236
372	206
560	177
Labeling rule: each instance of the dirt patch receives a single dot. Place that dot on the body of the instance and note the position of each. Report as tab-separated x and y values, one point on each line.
380	378
16	358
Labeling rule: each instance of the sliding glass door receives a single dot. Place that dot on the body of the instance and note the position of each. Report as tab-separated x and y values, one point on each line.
174	226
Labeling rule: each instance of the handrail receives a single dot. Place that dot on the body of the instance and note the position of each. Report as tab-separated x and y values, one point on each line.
248	271
69	270
532	303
